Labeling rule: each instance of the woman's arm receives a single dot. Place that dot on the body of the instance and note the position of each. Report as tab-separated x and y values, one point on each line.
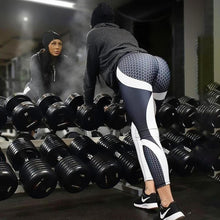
92	70
35	86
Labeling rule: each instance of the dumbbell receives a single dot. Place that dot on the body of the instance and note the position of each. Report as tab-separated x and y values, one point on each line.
212	86
25	115
181	112
181	160
217	134
208	116
176	137
85	117
216	146
24	135
172	101
217	177
195	136
71	134
177	149
126	143
73	101
105	169
131	171
58	115
73	174
166	116
206	155
115	115
127	139
8	178
187	115
199	151
212	96
89	117
189	100
37	177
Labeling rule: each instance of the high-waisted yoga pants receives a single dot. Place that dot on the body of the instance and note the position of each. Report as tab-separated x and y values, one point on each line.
143	81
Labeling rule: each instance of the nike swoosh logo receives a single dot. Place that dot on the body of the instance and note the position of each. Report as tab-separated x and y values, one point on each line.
144	200
162	215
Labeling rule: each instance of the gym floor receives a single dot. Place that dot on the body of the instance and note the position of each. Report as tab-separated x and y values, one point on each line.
197	195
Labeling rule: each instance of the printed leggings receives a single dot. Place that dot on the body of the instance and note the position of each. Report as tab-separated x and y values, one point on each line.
143	82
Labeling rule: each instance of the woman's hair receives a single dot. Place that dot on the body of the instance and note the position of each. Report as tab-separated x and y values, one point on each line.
103	13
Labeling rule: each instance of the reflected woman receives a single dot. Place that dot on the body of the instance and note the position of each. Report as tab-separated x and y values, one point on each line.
50	69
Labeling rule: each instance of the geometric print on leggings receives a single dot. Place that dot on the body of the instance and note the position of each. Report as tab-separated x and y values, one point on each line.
141	66
162	80
154	165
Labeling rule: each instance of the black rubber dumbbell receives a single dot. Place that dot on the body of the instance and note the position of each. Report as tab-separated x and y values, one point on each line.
208	116
71	134
206	155
115	115
129	164
196	137
85	117
89	117
127	139
176	137
57	114
181	160
8	178
187	115
73	174
166	116
105	169
24	135
212	86
189	100
73	101
172	101
217	177
25	115
212	96
178	151
37	177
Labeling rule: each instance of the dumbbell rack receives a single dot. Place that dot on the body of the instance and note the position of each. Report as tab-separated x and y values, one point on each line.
122	185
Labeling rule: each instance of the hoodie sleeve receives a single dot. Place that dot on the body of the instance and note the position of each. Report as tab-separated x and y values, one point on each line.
35	70
92	70
35	84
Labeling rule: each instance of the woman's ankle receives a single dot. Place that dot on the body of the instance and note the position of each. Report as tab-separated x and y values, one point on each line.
166	203
148	192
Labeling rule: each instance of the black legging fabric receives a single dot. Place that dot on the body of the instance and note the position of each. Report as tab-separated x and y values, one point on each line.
143	81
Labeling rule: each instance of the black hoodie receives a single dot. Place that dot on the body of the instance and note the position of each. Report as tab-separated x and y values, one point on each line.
48	74
106	44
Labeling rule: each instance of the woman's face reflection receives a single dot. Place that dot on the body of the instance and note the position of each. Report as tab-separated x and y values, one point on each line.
55	47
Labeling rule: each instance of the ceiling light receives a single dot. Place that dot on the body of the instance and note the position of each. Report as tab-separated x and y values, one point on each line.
58	3
25	19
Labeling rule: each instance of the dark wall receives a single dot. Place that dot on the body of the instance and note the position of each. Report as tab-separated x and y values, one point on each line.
158	27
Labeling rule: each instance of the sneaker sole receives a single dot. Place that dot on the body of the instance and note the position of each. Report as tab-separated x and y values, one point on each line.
146	206
175	216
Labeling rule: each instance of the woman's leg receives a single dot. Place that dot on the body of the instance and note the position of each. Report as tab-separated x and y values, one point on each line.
160	87
164	192
139	102
148	179
161	82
